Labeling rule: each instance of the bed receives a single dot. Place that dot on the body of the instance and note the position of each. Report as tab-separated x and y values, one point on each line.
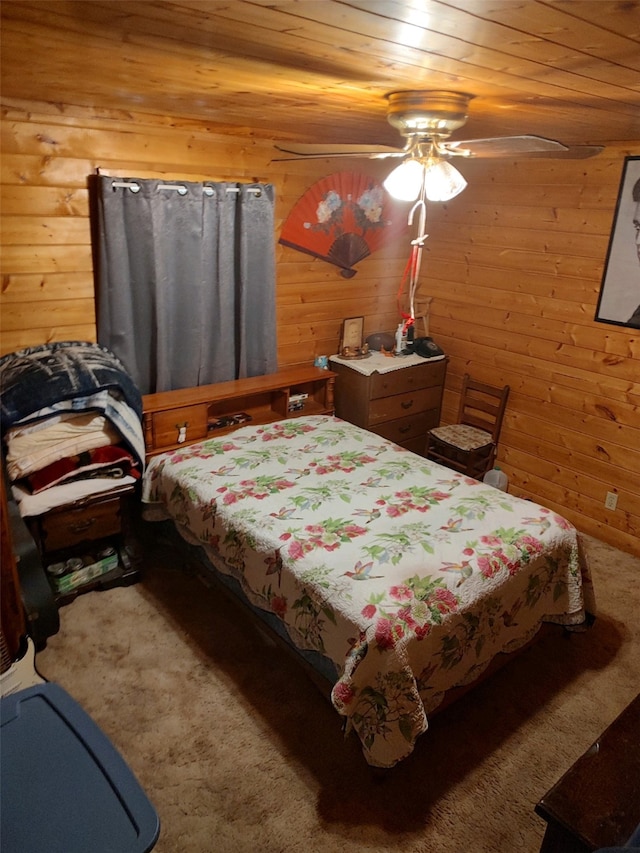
400	578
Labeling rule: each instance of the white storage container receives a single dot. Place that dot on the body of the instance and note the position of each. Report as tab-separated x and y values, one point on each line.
497	478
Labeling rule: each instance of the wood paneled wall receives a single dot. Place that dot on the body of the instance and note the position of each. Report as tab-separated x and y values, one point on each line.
513	264
48	287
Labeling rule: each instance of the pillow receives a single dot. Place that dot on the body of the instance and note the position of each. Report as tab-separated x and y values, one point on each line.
33	447
111	461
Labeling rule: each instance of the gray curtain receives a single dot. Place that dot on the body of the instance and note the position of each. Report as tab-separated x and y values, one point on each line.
186	280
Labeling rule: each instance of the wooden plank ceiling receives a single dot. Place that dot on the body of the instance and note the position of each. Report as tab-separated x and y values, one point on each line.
318	70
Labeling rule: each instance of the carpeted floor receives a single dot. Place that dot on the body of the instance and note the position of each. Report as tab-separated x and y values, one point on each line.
239	751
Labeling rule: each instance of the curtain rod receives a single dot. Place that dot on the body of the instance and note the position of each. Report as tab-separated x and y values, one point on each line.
207	190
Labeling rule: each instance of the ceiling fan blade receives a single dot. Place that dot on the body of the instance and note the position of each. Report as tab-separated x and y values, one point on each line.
503	146
309	151
573	152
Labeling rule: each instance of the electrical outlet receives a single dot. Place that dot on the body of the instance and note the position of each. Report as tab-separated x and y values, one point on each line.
611	500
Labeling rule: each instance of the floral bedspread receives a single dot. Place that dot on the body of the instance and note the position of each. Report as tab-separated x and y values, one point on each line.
408	576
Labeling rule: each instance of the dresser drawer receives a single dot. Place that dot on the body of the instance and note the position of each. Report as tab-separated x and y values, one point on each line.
408	379
401	405
406	429
391	408
73	525
166	425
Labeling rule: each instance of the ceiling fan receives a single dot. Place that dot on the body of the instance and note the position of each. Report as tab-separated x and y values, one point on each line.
426	118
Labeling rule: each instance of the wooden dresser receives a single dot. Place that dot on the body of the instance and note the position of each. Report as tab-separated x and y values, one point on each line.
174	419
401	405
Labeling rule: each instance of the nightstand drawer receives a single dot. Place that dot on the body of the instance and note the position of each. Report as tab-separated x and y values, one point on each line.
167	425
72	525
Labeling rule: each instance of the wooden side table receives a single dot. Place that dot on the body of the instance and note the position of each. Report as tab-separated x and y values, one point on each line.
88	526
597	801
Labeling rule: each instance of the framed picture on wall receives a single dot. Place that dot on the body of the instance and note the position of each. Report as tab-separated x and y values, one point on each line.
619	300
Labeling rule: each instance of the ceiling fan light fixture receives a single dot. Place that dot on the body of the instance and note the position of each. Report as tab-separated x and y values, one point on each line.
405	181
443	181
427	111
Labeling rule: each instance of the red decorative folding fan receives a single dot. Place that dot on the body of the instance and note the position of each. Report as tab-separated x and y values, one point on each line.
342	219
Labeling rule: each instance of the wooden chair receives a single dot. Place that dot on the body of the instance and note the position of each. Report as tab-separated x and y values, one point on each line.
422	305
470	445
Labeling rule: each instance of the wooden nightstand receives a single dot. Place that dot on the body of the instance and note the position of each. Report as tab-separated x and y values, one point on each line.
84	530
401	405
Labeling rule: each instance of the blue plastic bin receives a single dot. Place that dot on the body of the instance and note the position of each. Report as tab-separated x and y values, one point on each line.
64	788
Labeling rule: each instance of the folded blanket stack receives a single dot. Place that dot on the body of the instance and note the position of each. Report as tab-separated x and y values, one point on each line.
71	423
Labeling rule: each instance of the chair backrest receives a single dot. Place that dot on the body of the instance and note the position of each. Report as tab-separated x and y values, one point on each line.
482	406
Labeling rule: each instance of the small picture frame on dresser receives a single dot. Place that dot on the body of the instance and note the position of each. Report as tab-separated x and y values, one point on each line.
352	330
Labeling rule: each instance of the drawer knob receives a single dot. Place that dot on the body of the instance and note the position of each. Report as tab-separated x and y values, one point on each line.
81	526
407	404
404	428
